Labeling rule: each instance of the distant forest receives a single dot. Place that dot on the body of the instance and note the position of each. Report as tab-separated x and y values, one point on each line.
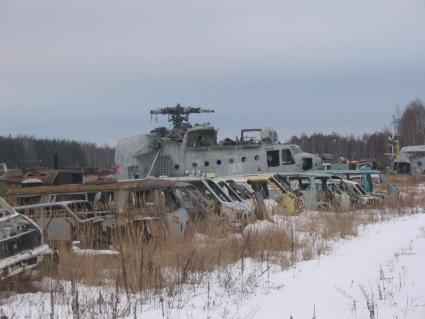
409	129
30	152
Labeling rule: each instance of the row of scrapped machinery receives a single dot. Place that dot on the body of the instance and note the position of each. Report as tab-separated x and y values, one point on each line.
170	180
91	213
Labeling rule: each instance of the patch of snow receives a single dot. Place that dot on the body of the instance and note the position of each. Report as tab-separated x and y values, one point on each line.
94	252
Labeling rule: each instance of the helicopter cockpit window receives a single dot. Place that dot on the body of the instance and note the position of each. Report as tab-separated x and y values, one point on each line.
202	141
287	158
273	158
204	138
307	163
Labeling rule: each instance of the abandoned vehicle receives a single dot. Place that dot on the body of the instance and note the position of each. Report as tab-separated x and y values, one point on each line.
411	160
195	150
235	212
21	243
166	204
233	195
319	191
358	194
278	199
373	181
66	222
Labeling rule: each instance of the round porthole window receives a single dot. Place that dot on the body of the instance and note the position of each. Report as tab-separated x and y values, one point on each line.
177	167
231	161
218	162
207	163
243	159
194	165
257	158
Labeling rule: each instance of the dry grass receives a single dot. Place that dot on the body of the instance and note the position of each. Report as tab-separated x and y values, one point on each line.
165	264
404	181
160	264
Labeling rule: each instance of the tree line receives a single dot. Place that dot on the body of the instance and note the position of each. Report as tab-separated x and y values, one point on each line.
30	152
369	146
409	130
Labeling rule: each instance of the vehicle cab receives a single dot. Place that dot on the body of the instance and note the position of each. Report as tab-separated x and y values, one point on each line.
71	221
359	195
320	193
21	243
233	195
291	203
234	211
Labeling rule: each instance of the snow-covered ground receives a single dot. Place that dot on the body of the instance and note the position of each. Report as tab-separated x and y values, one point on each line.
384	267
379	274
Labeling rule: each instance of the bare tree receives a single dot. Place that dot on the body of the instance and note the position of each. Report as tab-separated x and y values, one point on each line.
412	124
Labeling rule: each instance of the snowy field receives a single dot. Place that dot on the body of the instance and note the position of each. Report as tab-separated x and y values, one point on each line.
378	274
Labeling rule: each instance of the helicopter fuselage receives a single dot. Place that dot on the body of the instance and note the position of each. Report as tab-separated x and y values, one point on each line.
199	153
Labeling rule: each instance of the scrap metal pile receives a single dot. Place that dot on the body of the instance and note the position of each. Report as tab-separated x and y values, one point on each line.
170	182
167	207
65	213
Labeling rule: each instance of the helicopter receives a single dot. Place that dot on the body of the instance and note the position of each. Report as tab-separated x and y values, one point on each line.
194	150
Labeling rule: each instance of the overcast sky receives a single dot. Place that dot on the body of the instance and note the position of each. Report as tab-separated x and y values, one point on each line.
92	69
